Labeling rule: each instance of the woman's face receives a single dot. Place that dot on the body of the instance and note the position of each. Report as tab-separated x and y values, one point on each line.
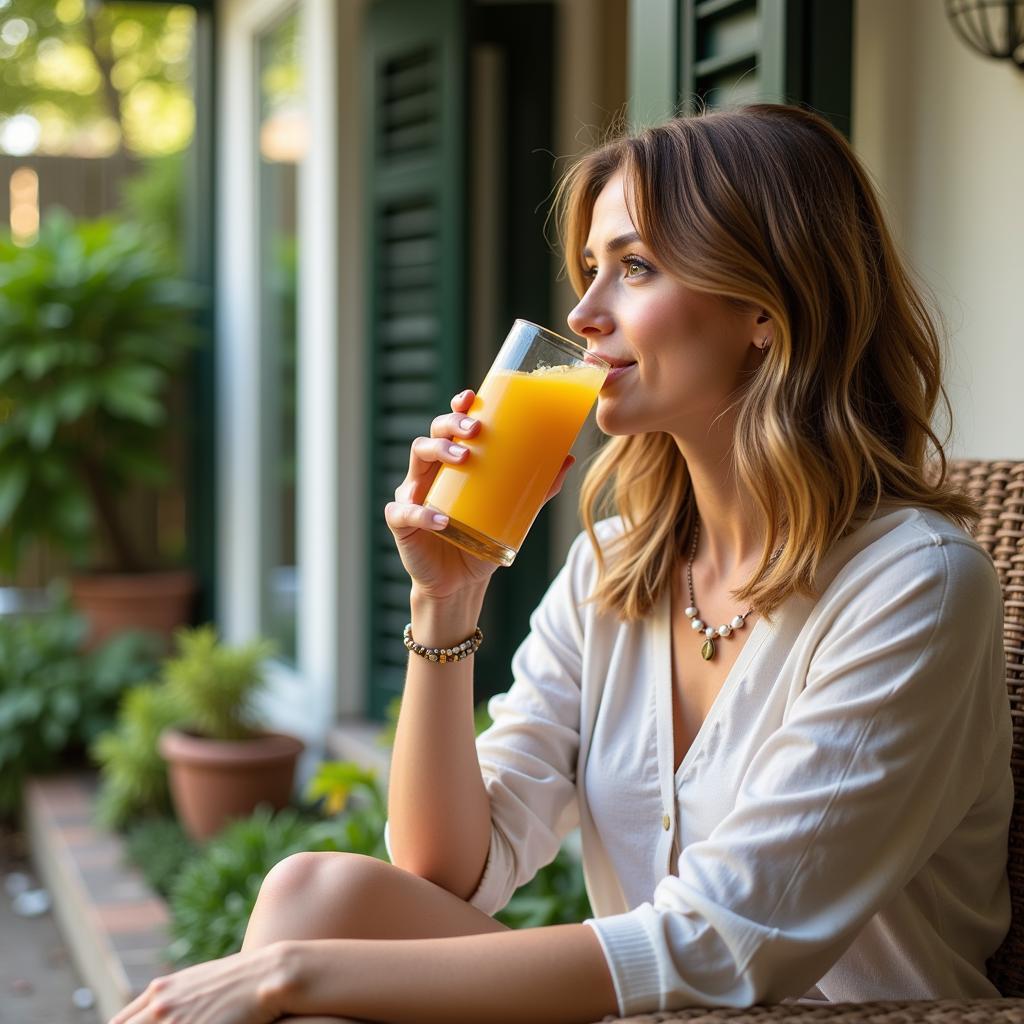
681	353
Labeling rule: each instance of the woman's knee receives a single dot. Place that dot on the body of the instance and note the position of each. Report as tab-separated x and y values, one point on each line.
322	875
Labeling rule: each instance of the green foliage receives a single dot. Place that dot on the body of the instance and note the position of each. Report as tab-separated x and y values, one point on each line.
214	890
91	331
354	792
133	774
555	895
55	699
161	848
215	685
152	199
124	71
213	896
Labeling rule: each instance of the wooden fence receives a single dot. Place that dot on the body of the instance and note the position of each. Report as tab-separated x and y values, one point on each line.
84	187
91	188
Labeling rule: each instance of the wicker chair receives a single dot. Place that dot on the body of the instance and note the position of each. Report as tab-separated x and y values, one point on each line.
1000	486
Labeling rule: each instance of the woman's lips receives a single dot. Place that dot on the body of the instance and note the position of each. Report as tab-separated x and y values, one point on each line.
616	372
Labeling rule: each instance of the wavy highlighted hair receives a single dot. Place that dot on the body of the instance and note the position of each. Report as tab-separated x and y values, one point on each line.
768	207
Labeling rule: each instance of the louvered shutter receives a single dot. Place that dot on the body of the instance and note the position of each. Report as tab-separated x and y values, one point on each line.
729	52
416	181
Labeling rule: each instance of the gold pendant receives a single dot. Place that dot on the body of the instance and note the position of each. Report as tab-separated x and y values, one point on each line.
707	652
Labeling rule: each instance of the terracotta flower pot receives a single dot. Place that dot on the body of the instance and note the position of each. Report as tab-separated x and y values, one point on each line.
213	781
156	601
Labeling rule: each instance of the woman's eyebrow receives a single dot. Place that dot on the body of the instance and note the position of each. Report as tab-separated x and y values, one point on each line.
619	242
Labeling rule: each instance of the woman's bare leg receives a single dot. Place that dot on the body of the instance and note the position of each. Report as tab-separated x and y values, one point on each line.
349	896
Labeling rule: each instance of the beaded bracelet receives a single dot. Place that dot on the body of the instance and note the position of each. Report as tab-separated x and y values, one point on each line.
443	654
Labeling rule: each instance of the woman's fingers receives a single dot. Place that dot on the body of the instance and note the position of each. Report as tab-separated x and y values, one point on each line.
425	458
427	454
560	479
463	400
436	449
454	424
405	517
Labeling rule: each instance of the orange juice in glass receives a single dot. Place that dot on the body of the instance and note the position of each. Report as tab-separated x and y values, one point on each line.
531	406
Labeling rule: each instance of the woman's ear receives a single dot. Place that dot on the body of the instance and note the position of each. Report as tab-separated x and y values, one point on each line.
764	331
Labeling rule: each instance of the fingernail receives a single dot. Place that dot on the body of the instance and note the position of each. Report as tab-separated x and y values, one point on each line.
466	424
440	519
457	449
462	394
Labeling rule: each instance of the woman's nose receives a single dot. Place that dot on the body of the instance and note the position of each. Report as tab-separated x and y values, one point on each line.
588	320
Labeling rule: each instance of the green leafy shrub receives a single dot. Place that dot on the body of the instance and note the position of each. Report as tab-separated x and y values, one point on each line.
160	848
213	896
555	895
92	328
215	889
152	199
352	791
133	776
215	685
55	699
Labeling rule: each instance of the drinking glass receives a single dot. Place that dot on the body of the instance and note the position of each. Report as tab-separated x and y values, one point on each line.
531	406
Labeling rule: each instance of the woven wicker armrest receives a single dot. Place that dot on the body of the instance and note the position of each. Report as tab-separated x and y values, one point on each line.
943	1011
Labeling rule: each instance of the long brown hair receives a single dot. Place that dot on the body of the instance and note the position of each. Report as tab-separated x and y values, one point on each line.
768	207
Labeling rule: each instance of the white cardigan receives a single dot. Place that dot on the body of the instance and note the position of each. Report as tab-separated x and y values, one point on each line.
842	814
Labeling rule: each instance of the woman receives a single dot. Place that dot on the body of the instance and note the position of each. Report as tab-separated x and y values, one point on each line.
769	688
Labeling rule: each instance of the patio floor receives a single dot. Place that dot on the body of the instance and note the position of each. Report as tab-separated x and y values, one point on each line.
114	925
37	978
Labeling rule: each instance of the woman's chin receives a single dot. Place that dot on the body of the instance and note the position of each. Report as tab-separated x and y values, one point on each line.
614	421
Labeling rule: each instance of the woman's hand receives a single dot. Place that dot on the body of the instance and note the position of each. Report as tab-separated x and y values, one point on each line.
439	569
240	989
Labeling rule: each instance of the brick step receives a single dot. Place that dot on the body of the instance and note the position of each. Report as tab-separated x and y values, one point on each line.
114	924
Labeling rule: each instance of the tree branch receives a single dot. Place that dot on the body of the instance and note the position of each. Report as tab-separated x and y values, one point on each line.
105	64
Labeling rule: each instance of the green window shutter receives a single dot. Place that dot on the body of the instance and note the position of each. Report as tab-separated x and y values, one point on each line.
415	56
685	53
731	50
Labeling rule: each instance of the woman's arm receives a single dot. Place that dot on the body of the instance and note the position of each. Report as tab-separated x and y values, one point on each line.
438	810
556	974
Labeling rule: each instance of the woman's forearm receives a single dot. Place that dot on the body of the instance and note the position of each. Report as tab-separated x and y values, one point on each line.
554	975
439	813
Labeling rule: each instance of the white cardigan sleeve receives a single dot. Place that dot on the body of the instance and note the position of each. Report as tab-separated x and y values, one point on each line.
884	752
528	755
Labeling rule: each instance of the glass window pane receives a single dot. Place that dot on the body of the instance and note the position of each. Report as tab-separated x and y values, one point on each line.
282	133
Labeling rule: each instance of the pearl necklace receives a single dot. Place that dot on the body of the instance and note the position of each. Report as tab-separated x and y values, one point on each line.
707	651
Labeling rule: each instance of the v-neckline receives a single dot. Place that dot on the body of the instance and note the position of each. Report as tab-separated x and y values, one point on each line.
663	660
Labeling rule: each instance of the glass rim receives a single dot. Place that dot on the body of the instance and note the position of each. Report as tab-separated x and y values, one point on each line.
575	348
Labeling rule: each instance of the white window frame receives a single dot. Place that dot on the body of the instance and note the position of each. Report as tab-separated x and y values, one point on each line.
304	698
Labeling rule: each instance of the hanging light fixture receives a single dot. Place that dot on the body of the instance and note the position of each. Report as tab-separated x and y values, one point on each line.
995	28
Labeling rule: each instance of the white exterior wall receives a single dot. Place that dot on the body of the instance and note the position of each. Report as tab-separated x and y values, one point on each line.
941	128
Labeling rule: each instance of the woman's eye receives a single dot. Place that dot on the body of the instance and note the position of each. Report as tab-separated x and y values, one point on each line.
635	267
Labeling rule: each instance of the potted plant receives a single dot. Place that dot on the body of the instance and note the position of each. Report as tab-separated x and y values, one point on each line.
221	765
92	329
